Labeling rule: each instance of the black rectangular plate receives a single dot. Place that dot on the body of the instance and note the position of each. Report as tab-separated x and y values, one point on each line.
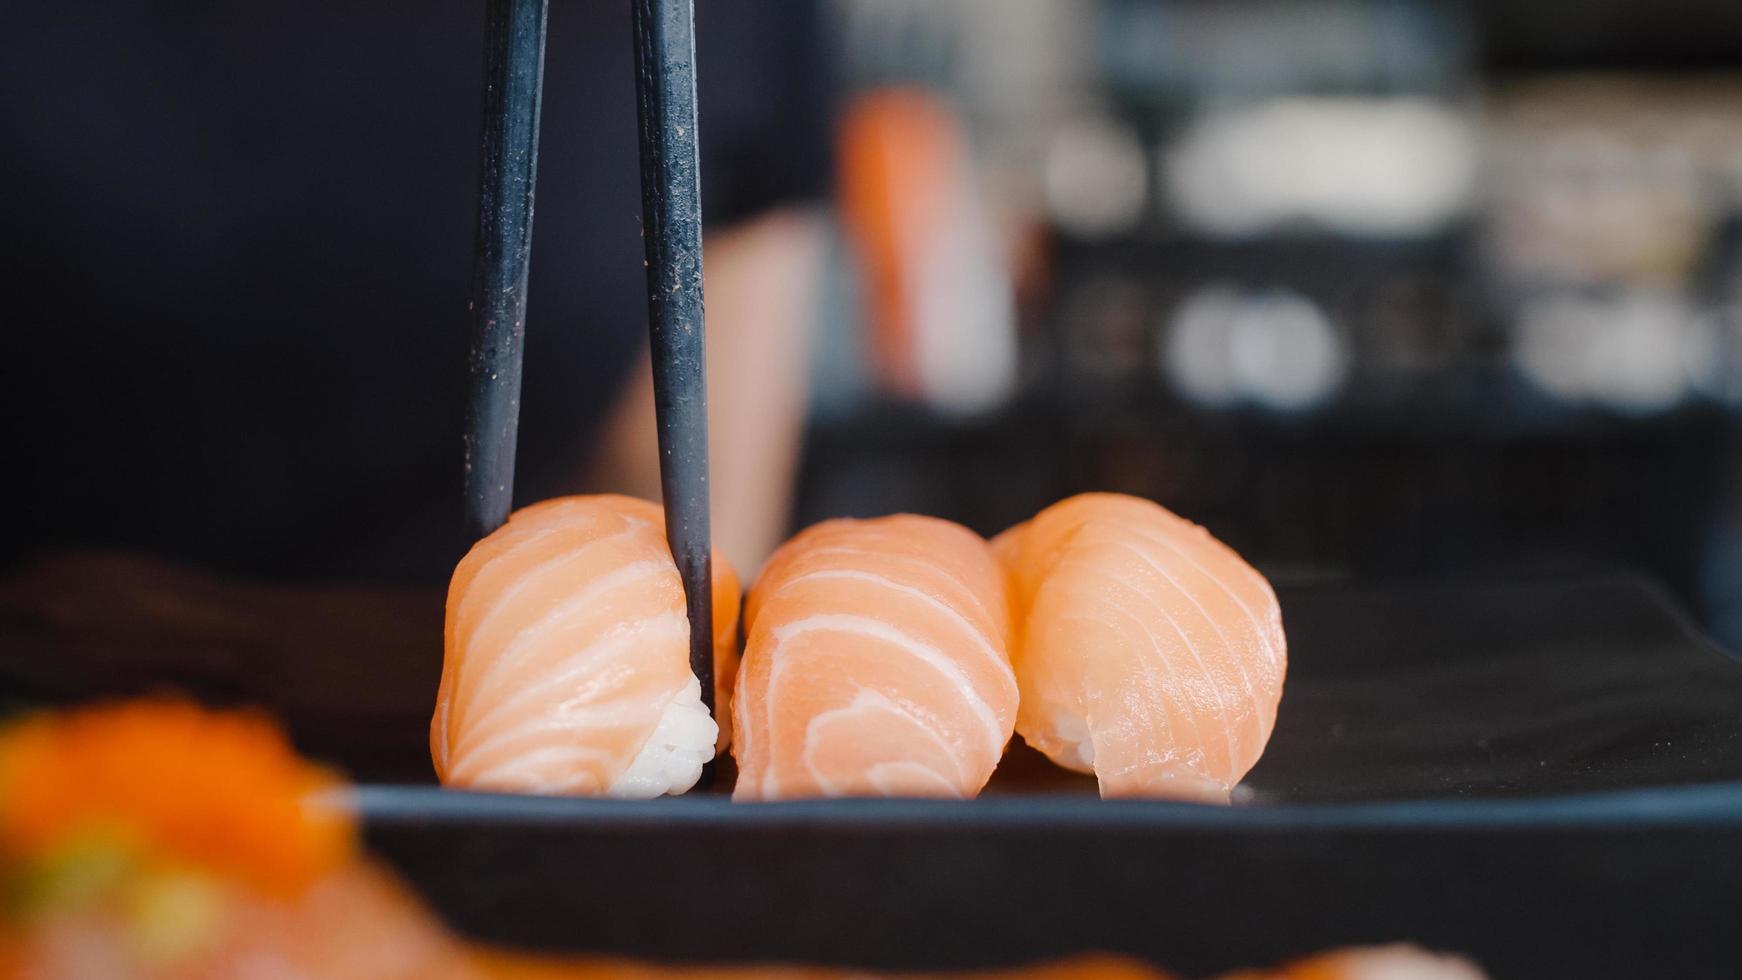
1546	775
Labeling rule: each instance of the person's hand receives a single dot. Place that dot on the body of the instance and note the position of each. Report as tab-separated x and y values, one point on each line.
760	297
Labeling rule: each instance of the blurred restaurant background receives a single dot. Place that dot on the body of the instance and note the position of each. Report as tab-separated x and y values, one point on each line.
1371	288
1396	289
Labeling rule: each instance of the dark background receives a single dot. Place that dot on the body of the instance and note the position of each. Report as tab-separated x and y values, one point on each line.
238	253
238	250
1437	459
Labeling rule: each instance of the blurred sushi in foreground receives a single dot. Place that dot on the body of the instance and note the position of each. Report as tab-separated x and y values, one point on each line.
1395	962
1147	651
876	664
566	666
511	967
158	840
1399	961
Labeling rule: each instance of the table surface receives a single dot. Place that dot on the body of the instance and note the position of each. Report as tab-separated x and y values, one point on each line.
1545	774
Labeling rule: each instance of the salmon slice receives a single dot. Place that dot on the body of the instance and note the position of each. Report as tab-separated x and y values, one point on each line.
566	666
1148	652
728	599
876	664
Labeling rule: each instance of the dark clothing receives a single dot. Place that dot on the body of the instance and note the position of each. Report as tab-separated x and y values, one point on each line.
238	244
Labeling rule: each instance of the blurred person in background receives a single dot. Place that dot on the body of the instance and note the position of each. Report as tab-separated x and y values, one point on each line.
239	254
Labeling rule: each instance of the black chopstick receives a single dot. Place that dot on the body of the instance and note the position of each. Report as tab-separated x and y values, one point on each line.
513	90
671	209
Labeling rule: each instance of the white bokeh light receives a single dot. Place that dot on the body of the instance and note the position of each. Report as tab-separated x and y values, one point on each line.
1096	178
1273	347
1198	348
1366	166
1286	353
1626	351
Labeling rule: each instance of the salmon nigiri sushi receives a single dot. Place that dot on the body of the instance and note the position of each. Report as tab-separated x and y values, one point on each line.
876	664
1148	652
566	666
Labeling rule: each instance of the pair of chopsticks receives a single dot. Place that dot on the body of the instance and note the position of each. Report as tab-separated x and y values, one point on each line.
665	82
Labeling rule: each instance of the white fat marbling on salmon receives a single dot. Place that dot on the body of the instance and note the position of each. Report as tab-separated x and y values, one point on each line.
1149	652
912	562
1219	691
886	777
651	572
971	633
877	664
578	696
954	681
567	658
